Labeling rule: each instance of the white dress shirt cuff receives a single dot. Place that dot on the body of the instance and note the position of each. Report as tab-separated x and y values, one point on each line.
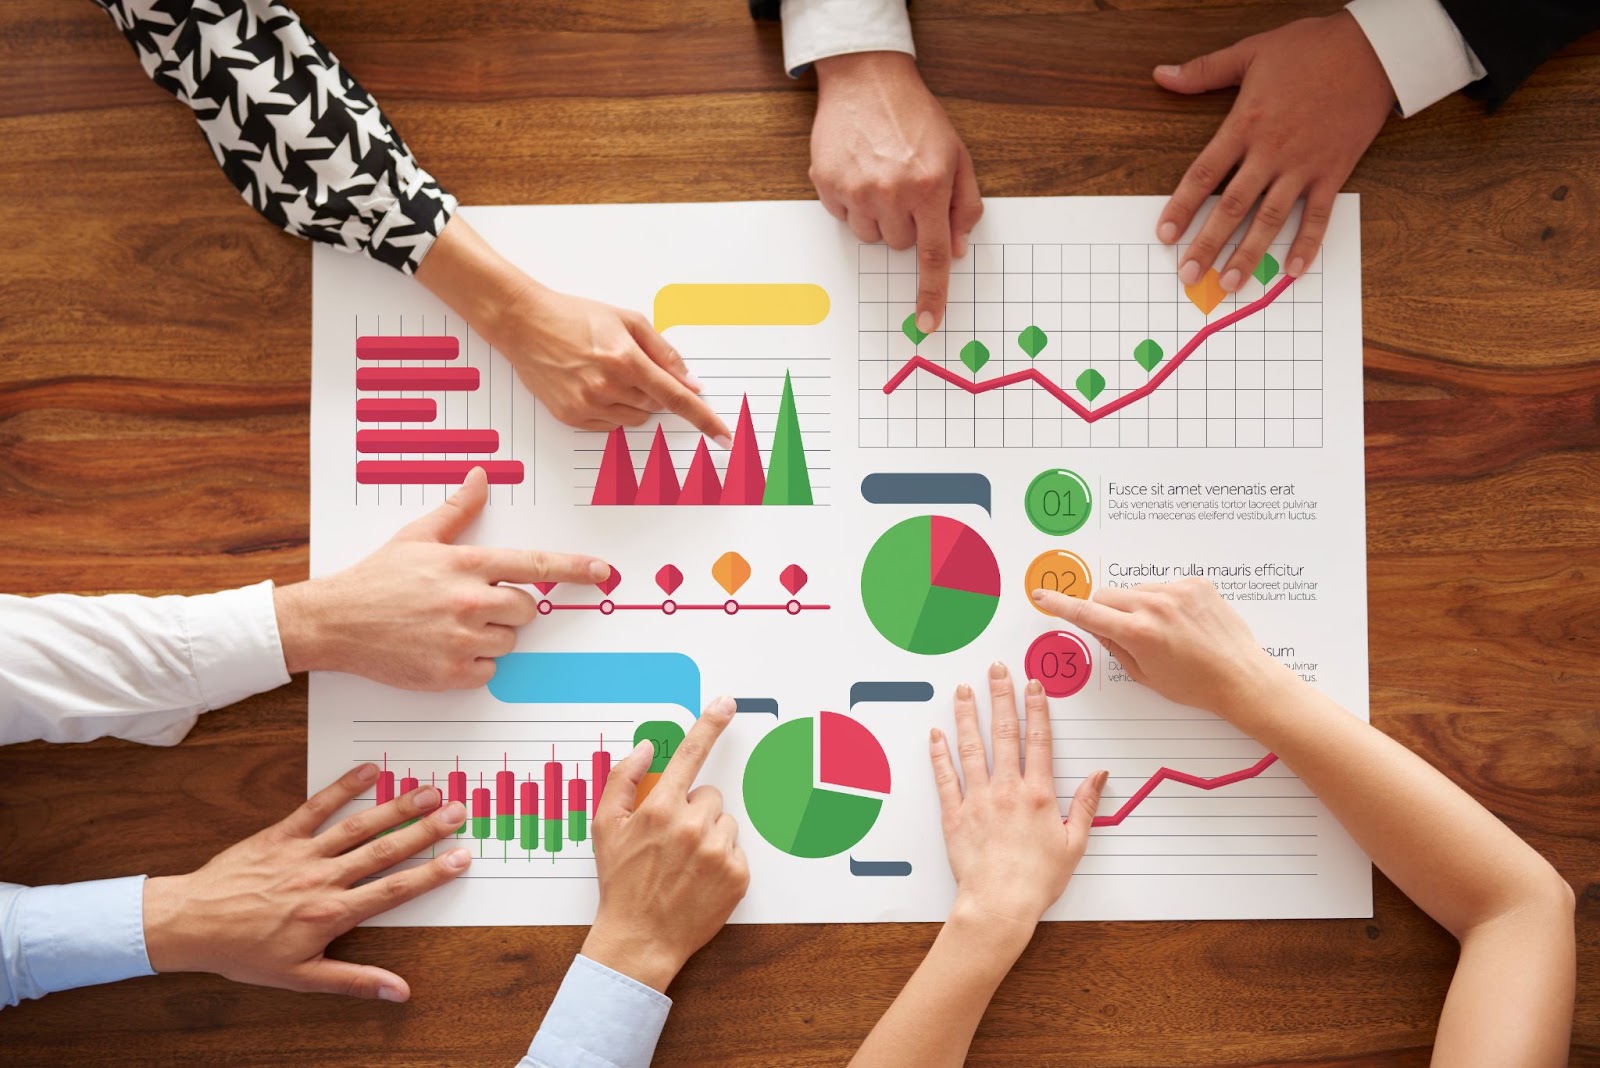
1422	52
817	29
234	643
79	934
599	1019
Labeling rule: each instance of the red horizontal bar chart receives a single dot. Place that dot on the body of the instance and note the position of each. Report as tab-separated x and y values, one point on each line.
442	378
427	441
396	410
435	472
407	348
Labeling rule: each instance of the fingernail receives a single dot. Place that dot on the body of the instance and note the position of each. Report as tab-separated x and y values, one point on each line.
963	690
1167	232
646	746
1038	596
1297	267
925	321
367	773
933	736
1231	280
427	797
997	670
723	441
453	814
694	383
599	571
723	706
1035	687
457	858
391	993
1189	273
1100	778
1168	70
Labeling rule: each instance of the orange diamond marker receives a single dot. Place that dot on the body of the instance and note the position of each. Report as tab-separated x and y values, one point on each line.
731	571
1207	293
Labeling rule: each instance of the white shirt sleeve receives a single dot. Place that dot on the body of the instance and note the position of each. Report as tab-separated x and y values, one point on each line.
59	937
817	29
1422	52
73	669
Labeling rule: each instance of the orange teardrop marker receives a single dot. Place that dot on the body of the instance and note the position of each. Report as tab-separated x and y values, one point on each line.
731	571
1207	293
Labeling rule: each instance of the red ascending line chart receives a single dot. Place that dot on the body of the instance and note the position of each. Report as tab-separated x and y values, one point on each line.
1198	782
1089	345
429	408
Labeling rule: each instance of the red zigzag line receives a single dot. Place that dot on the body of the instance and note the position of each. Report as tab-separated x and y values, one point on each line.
1165	774
1088	415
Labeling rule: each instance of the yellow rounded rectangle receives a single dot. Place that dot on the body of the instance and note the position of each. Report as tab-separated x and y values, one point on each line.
740	304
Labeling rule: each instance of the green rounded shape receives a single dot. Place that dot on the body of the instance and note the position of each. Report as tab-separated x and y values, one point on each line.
1058	501
788	809
664	736
930	585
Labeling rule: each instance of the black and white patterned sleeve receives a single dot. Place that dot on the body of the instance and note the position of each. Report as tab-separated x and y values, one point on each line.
295	133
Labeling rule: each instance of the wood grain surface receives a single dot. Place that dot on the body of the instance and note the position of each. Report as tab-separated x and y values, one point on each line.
154	362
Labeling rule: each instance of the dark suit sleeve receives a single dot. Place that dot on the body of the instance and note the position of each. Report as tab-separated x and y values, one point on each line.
764	9
1512	37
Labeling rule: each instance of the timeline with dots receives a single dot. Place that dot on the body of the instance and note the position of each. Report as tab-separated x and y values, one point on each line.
1080	419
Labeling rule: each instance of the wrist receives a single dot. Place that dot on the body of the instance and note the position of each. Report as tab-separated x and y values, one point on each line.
1260	693
634	954
478	283
1000	934
859	68
164	941
302	627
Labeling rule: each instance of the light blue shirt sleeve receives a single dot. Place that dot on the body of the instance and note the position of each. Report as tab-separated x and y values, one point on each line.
599	1019
58	937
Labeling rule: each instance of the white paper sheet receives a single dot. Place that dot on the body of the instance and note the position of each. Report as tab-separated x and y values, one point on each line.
1271	403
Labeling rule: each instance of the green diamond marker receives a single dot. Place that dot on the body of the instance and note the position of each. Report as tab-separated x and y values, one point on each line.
1148	353
1091	383
974	354
909	329
1033	341
1267	269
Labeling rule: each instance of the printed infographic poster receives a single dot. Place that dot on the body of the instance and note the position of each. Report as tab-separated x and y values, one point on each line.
1080	420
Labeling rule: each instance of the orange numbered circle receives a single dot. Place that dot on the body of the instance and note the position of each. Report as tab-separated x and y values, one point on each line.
1060	571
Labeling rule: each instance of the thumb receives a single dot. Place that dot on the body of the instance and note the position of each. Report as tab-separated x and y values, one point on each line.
446	522
1085	802
622	785
327	976
1214	70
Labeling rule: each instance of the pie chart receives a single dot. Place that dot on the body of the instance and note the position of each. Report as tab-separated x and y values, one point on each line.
930	585
796	780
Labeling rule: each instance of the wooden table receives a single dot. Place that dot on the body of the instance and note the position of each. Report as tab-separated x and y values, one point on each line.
154	367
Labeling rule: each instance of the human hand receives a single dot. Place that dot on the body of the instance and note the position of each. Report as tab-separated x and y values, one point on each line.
886	160
671	870
1312	96
422	613
593	366
264	911
1010	850
1181	639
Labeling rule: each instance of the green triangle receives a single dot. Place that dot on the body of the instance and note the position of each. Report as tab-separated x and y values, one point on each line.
909	329
1267	269
1148	353
1091	383
974	354
788	479
1033	341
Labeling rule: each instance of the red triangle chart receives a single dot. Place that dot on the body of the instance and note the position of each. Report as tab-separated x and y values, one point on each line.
659	483
617	484
700	485
745	481
851	756
961	559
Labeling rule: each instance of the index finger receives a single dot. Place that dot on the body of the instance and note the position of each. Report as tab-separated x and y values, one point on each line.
933	262
695	748
1098	619
675	397
536	565
304	821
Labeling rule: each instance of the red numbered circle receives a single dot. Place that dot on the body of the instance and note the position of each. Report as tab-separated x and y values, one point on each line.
1060	661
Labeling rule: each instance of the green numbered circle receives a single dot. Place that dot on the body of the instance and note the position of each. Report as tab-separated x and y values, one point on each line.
1058	501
